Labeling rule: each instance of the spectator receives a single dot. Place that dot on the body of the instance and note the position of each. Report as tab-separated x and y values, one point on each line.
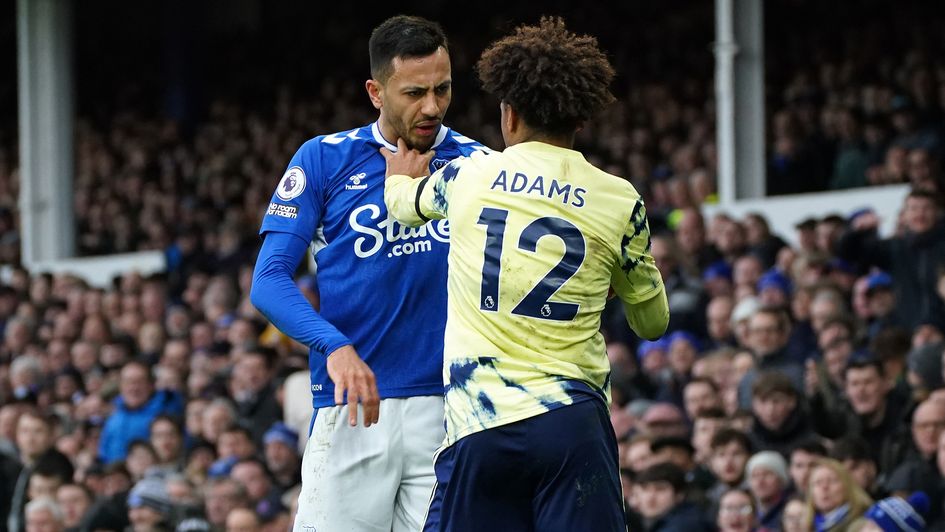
242	520
251	386
252	474
9	477
699	395
44	515
639	453
916	467
75	501
910	259
736	512
141	457
779	422
855	456
135	407
707	424
730	452
768	483
662	501
761	241
796	517
51	471
690	233
881	303
802	459
834	500
221	497
664	419
168	442
718	321
149	506
872	412
769	330
924	365
282	459
217	417
34	438
896	514
686	298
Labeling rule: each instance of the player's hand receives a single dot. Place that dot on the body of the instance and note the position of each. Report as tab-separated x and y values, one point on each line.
407	161
351	374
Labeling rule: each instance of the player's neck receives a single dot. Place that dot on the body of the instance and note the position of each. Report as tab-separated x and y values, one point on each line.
528	135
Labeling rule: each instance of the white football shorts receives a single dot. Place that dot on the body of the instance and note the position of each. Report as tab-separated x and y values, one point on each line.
375	479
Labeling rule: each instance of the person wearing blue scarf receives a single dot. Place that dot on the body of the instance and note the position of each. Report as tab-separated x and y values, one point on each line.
835	501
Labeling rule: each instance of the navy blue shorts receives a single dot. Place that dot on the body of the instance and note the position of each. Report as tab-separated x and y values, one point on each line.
553	472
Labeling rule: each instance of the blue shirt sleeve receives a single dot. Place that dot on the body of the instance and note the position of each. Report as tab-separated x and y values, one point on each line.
297	203
275	295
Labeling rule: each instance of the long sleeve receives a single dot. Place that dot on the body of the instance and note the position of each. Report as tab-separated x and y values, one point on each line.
275	295
637	281
415	201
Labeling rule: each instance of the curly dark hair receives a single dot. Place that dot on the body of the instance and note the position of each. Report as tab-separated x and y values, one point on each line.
554	78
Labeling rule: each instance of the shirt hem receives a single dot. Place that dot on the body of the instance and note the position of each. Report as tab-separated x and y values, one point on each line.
323	400
521	416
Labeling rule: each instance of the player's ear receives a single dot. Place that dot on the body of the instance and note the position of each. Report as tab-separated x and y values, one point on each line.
510	117
374	90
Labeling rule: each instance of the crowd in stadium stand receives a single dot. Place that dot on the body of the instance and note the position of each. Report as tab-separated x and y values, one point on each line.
797	388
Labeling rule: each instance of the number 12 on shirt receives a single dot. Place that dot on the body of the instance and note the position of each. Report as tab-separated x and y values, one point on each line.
537	303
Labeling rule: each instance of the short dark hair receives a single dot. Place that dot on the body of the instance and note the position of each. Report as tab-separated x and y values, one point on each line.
863	363
54	464
144	444
711	413
268	354
402	36
727	436
255	461
703	380
175	422
554	78
82	487
665	472
770	383
781	315
810	447
855	449
919	193
238	428
672	442
892	343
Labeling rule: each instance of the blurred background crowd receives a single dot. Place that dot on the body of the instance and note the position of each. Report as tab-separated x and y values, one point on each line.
799	383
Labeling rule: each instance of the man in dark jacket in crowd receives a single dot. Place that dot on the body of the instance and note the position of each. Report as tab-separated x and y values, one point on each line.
918	467
912	259
768	333
870	412
251	385
661	493
780	423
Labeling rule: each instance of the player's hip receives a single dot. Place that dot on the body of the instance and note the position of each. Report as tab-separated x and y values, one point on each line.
323	391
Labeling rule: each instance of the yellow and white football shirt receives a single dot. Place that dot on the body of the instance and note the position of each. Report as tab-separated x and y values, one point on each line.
537	237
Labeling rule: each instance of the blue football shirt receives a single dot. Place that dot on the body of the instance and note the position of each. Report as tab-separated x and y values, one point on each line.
381	284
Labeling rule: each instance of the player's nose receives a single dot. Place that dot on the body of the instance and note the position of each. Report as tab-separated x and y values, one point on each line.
431	105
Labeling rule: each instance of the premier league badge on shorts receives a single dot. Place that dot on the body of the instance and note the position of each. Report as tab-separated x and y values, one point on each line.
292	184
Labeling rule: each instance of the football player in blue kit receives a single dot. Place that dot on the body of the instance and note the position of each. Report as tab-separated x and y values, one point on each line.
377	339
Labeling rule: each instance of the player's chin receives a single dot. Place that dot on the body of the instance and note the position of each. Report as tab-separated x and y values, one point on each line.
420	143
